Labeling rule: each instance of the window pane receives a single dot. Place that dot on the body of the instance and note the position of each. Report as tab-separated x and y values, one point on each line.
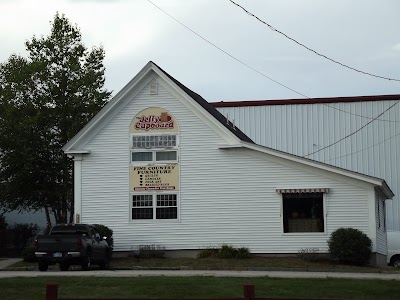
166	200
153	141
142	213
166	213
142	156
303	212
167	206
166	155
142	200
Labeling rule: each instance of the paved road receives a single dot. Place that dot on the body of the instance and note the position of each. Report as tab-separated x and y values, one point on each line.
137	273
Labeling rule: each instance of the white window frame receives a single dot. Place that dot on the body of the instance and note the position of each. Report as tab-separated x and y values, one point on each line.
151	135
154	150
324	199
154	207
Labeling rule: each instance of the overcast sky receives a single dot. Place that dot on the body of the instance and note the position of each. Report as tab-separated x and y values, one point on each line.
363	34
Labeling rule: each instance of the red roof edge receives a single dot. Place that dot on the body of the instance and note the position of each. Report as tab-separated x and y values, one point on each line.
304	101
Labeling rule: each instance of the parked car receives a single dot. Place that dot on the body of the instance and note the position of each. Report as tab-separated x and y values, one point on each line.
72	244
393	257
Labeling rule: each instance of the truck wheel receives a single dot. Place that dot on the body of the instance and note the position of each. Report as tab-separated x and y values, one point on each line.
86	263
43	266
105	263
396	261
64	266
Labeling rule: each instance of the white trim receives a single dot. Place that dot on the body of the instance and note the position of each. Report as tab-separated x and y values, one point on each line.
372	219
144	77
295	234
154	195
78	187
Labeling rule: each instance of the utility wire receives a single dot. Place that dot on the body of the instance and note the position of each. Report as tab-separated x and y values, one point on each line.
358	115
349	135
389	138
230	55
309	49
255	70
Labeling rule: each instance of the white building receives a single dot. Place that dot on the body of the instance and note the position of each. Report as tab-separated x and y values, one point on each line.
361	134
159	165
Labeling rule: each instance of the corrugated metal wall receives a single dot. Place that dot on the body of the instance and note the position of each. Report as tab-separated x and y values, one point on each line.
306	129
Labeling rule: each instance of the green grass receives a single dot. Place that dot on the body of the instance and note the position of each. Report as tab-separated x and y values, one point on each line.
197	287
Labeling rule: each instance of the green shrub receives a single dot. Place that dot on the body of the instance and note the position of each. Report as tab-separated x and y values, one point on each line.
349	246
243	253
104	231
28	254
225	252
208	252
308	254
151	251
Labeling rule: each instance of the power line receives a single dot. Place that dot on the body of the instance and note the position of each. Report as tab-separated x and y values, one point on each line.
309	49
389	138
230	55
255	70
358	115
343	138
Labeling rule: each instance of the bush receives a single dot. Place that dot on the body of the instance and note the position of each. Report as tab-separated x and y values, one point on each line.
104	231
23	235
349	246
28	254
208	252
243	253
225	252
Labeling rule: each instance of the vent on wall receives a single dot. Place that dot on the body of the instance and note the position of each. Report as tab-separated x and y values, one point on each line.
153	88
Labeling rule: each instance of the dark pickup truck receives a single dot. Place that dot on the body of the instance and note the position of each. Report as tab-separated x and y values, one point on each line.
72	244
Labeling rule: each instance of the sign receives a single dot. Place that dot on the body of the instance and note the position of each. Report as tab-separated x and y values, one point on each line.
153	120
154	178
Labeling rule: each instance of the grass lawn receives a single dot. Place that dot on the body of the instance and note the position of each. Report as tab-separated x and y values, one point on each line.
197	287
231	264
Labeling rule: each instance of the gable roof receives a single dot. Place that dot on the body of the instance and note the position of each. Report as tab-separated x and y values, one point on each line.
305	101
378	182
211	109
75	145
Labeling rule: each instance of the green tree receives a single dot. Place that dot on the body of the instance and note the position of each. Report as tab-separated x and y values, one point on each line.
45	99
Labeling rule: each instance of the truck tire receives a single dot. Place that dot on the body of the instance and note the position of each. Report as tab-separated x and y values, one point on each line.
64	266
395	261
86	262
43	266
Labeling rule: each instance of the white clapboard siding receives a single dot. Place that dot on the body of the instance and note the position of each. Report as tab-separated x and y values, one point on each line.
304	128
226	196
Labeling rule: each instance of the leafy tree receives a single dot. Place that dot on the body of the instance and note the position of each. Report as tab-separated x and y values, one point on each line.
45	99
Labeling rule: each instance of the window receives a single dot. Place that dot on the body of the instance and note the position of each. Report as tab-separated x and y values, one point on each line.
154	148
142	207
303	212
154	156
154	141
154	206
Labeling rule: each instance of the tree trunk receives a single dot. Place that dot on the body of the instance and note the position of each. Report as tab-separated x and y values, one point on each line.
48	220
